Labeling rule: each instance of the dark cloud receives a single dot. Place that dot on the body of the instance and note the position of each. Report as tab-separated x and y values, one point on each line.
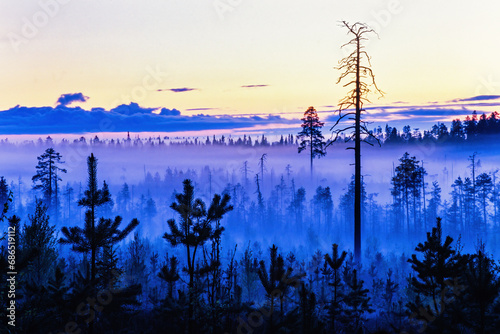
132	117
178	90
201	109
478	98
254	86
131	109
169	112
67	99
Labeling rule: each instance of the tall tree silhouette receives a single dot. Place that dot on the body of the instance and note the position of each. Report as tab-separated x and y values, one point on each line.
93	237
484	186
311	136
361	77
195	229
46	178
407	183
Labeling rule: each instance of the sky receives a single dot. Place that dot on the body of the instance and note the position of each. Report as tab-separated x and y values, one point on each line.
239	57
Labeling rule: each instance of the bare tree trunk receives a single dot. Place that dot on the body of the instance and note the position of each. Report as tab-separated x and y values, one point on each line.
357	161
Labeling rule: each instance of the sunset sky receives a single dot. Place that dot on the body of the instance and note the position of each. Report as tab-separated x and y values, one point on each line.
228	57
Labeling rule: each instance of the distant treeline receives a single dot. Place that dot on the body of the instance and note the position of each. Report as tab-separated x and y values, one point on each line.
473	128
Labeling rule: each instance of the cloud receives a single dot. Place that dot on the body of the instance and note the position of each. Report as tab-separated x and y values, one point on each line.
201	109
131	117
67	99
178	90
254	86
478	98
169	112
132	109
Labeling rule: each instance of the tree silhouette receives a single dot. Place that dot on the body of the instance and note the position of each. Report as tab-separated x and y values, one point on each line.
361	76
311	136
440	267
334	262
484	186
262	166
195	229
38	236
4	191
275	282
94	237
483	287
407	183
170	274
357	303
47	178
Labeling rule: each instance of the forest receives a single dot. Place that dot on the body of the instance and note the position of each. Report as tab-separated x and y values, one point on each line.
251	241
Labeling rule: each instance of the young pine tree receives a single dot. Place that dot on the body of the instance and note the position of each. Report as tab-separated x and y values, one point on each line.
439	267
357	304
335	262
93	237
196	227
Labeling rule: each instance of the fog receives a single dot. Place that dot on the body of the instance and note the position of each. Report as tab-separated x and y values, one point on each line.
157	171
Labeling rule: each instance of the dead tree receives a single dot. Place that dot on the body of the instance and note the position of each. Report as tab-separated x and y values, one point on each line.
356	68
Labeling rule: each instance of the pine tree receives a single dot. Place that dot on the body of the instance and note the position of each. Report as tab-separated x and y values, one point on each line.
307	306
47	177
484	186
439	267
124	199
357	303
335	262
4	191
136	263
361	77
270	280
324	204
406	184
311	136
194	230
94	237
170	274
483	287
434	202
38	236
249	276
